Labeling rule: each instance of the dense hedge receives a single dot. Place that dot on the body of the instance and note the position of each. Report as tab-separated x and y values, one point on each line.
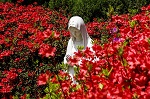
89	9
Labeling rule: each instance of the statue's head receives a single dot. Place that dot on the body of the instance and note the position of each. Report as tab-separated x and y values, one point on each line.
76	22
77	27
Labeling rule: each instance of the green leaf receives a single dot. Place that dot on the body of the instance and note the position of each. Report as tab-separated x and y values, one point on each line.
110	11
133	11
105	72
120	50
27	96
124	62
7	40
76	69
63	66
55	87
54	96
73	89
125	42
132	23
15	97
0	47
80	48
135	96
101	86
110	70
14	40
47	96
148	40
46	90
37	61
35	24
53	33
90	66
52	87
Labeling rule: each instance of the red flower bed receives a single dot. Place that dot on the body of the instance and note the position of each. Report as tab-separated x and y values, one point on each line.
121	68
32	44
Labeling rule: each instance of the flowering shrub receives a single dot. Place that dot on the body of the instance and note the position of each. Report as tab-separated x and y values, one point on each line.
32	46
32	41
117	69
99	32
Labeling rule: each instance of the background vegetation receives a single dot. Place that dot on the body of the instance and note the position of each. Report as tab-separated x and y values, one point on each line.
89	9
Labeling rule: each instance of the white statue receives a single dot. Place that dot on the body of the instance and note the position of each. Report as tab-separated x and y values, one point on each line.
78	37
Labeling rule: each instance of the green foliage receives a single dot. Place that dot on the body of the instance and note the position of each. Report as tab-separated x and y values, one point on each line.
148	40
107	72
132	23
86	8
58	5
51	91
89	9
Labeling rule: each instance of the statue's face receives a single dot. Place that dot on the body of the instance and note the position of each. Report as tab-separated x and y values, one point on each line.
75	32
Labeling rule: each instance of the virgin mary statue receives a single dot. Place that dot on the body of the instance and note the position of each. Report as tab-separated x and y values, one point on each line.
78	37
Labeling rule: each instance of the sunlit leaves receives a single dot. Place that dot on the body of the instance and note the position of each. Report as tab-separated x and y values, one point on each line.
132	23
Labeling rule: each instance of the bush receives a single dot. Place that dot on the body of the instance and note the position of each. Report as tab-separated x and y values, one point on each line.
118	69
102	9
89	9
32	41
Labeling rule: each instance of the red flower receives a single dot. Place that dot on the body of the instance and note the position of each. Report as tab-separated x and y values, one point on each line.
24	96
46	50
20	1
43	78
17	60
5	53
2	39
88	53
6	89
56	34
73	61
4	80
98	50
11	75
47	33
65	33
